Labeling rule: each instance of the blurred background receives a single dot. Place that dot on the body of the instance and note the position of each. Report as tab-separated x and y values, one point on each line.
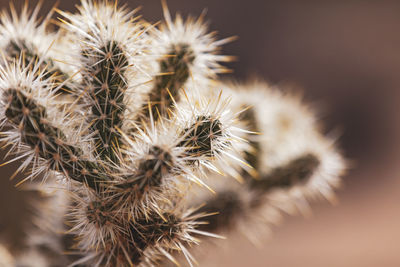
345	56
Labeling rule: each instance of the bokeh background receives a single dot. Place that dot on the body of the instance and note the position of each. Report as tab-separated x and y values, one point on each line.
345	56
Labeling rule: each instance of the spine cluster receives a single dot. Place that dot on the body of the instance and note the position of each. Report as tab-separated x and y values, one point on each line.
148	151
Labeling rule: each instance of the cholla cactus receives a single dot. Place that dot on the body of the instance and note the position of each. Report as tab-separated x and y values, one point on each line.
146	153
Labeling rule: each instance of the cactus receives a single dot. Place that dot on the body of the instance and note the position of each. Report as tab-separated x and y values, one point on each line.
146	151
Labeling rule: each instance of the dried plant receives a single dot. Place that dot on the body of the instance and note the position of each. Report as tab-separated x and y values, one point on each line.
142	150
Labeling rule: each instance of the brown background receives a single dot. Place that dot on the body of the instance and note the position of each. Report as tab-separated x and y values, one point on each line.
345	55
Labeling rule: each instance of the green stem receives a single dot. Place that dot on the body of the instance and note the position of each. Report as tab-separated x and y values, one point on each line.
49	142
109	85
